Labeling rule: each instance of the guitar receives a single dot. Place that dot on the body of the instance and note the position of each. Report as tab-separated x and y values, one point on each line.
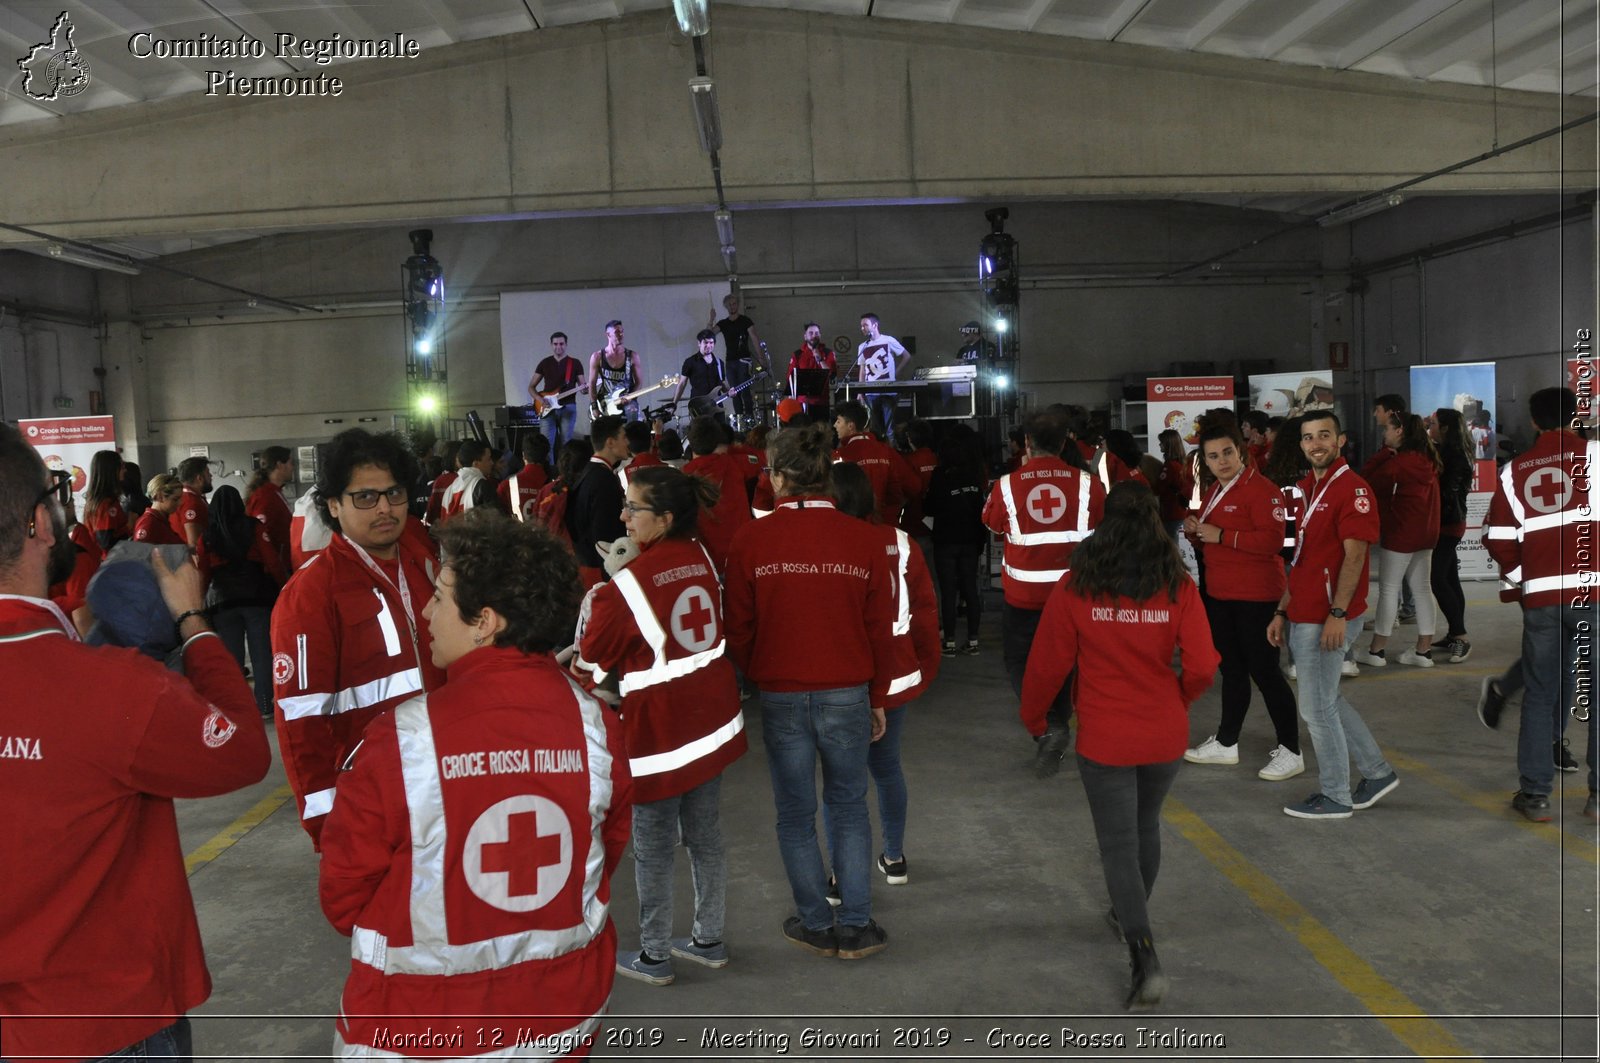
722	393
611	405
548	402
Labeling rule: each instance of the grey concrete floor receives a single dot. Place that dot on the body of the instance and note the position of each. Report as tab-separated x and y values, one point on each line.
1438	924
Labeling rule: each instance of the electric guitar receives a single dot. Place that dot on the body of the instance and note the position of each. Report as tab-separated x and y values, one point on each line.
547	402
722	393
612	403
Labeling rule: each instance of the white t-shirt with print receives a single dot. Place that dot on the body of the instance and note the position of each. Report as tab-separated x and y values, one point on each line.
877	358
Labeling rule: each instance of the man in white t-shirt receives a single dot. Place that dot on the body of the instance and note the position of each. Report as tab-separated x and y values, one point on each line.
879	357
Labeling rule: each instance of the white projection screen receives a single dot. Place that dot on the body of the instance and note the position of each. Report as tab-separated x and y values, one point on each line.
659	322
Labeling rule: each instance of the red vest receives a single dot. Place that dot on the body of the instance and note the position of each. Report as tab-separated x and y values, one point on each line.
1044	510
1543	520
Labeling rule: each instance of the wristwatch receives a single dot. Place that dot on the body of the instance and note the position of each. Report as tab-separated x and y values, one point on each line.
1337	614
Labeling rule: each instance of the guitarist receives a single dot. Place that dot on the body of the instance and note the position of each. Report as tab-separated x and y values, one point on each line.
703	374
557	373
614	370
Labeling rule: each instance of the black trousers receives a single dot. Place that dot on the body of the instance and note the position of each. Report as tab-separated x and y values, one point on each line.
1017	627
1125	803
1445	575
957	566
1239	630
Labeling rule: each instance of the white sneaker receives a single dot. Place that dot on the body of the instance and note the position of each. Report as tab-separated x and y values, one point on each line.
1212	752
1349	669
1412	657
1371	660
1292	673
1283	765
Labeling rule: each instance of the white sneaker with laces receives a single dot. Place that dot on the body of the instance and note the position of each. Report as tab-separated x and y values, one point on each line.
1283	765
1212	752
1292	673
1371	660
1412	657
1349	669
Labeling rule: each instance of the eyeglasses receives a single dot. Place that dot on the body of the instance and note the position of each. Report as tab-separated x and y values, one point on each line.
634	509
60	486
395	496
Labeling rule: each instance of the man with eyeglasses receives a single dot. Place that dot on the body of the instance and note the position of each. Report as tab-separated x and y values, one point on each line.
348	636
100	951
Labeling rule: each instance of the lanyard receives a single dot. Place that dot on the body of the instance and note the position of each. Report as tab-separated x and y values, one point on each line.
806	503
44	603
1217	494
402	590
1311	509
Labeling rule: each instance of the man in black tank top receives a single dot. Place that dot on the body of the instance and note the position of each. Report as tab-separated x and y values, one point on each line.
614	371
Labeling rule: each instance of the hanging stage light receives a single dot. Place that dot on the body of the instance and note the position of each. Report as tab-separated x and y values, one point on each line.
422	307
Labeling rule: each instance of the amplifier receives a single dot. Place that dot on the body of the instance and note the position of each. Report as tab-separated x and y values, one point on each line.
514	416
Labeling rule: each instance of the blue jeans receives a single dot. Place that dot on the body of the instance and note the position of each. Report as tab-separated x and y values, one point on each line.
883	763
694	818
797	727
1337	730
1552	636
173	1042
558	426
1017	628
249	624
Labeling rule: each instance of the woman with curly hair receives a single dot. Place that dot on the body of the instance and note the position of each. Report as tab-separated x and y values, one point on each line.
1116	617
470	848
658	627
1404	476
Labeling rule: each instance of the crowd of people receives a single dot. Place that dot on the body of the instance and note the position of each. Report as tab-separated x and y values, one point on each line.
487	680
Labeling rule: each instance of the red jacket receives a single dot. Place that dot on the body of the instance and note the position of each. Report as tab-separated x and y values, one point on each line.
153	527
1406	486
1338	507
1172	491
921	462
732	511
344	648
1044	510
436	495
1131	708
1109	468
528	480
894	483
638	461
762	500
916	622
469	488
266	504
109	522
1543	520
308	534
1247	565
680	700
809	601
469	857
96	919
192	509
72	592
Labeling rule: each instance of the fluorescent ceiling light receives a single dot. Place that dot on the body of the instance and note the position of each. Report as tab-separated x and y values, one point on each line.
1361	209
694	16
83	256
703	94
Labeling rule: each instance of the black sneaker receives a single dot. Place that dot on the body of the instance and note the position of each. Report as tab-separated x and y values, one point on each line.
1052	746
833	892
947	649
1491	702
894	870
859	942
1591	808
821	942
1535	807
1563	757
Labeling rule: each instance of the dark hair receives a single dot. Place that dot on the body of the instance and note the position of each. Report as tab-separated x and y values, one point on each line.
1320	415
805	458
22	477
1171	443
797	420
870	316
756	438
705	334
852	491
669	490
670	446
1452	432
919	433
573	461
470	451
808	326
535	448
855	413
1286	462
349	451
105	479
1551	408
706	434
1120	442
555	335
961	454
1256	419
1213	432
604	429
638	434
1391	402
613	323
191	468
229	531
270	459
519	570
1130	554
1414	437
1047	433
132	478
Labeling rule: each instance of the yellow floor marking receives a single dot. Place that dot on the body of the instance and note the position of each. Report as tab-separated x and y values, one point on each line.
236	830
1498	805
1404	1018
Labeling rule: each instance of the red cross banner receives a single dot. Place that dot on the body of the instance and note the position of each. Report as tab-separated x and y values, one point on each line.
1176	402
69	443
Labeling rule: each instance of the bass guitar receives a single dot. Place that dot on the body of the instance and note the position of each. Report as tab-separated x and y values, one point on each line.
611	405
720	394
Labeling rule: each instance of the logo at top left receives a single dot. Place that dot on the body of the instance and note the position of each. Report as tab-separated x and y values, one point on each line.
55	69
